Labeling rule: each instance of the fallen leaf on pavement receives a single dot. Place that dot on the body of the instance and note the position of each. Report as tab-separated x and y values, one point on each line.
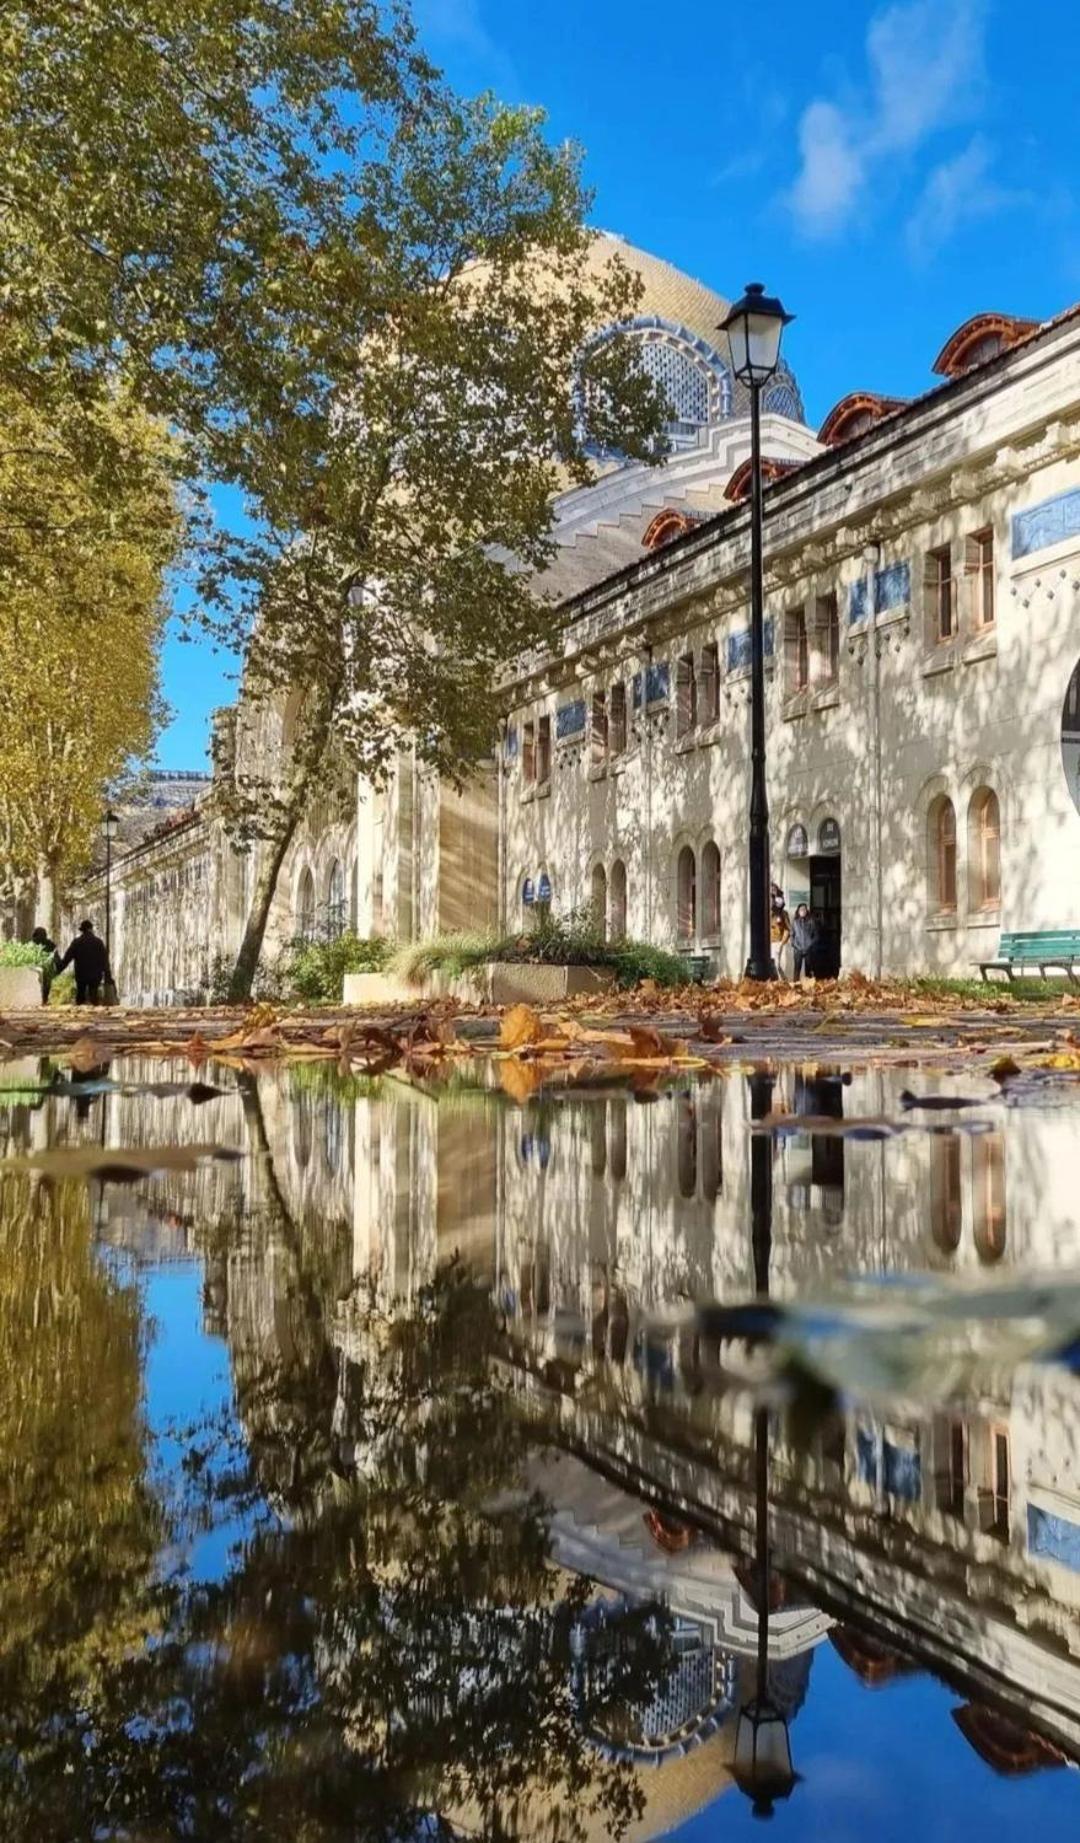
520	1025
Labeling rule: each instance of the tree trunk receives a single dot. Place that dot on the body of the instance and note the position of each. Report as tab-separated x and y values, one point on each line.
45	904
308	758
247	959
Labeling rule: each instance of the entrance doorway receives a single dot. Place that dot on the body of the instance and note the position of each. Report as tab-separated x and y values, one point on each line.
825	905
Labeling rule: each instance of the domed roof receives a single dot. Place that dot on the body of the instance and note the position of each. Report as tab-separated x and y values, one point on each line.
684	315
668	293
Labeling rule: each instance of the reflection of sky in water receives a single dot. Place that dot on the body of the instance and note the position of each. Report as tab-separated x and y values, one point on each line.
891	1766
187	1381
658	1194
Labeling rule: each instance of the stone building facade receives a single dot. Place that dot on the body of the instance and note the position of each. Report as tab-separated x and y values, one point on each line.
923	639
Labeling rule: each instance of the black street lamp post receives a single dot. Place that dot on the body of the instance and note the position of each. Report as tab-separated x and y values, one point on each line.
754	326
762	1766
110	825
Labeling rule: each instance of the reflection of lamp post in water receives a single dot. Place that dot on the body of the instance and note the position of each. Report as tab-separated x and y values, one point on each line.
762	1766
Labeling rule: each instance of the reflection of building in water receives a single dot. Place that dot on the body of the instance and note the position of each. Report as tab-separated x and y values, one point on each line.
585	1217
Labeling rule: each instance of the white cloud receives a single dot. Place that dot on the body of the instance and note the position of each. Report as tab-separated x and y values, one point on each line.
958	192
459	23
924	72
831	174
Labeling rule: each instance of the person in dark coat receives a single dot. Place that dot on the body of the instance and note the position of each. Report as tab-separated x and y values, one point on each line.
40	939
91	962
804	939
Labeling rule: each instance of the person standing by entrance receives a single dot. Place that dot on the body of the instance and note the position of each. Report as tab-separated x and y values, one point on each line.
779	929
804	939
91	962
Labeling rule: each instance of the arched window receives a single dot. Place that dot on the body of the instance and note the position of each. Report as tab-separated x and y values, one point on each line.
984	850
710	892
598	905
617	912
988	1195
686	896
337	910
941	843
945	1204
305	906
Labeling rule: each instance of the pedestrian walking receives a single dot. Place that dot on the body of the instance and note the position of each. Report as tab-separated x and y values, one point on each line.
91	962
804	939
41	939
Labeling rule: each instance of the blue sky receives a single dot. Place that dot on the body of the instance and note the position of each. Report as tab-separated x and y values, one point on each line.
888	170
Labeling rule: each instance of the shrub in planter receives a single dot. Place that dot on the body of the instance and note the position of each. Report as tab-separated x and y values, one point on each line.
24	953
571	940
314	970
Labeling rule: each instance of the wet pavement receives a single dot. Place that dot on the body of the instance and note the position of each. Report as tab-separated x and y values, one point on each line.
385	1457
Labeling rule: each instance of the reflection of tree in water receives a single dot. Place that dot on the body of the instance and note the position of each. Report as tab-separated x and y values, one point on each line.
386	1645
79	1526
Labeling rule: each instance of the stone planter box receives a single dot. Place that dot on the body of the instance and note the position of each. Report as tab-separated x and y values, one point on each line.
20	988
498	982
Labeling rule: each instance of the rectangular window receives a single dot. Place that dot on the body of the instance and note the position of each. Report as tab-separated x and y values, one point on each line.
617	720
528	752
980	574
599	728
828	639
543	750
686	689
709	689
939	595
796	651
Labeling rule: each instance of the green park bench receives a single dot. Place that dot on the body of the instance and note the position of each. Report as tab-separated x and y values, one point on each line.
1058	949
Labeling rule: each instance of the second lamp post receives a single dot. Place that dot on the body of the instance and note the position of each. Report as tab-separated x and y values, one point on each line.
754	326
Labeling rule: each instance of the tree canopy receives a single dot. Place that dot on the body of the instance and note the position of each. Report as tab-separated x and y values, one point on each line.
362	302
84	553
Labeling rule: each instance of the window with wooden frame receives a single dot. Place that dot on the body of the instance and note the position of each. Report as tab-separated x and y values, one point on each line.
1000	1481
617	719
796	651
979	569
599	901
984	850
543	750
940	598
528	752
709	688
988	1195
617	902
598	729
946	1217
828	639
686	896
710	892
941	843
685	695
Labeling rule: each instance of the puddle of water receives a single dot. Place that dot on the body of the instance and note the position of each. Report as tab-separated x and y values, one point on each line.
418	1472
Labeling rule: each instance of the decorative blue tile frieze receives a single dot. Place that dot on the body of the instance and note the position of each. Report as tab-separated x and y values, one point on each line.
1051	522
739	647
892	587
859	601
570	720
1053	1538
